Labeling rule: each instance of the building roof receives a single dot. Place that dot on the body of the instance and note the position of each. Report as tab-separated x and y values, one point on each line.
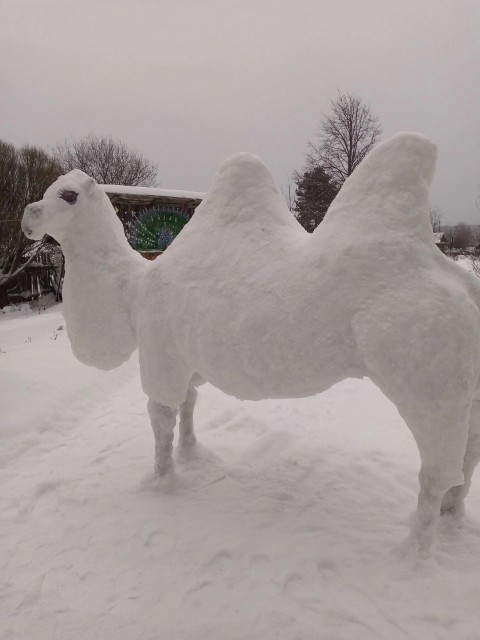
149	195
439	237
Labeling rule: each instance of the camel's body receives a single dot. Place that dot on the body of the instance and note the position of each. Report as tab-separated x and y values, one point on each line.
261	309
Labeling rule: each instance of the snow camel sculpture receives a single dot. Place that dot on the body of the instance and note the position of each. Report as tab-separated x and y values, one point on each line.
249	301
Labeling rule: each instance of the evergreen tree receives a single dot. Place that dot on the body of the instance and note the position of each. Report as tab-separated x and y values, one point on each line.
315	191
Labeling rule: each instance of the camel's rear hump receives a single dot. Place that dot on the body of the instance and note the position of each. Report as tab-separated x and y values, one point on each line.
387	193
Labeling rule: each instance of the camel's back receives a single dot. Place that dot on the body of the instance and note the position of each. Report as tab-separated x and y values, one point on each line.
261	308
245	299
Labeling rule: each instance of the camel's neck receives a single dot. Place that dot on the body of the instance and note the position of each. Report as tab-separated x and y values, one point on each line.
102	277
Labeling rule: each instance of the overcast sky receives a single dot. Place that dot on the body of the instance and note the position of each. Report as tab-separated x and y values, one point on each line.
189	82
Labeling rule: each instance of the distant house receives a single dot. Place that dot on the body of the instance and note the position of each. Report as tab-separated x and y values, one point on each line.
441	240
152	217
41	278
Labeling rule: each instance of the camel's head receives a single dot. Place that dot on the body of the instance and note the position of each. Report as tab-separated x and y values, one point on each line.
66	199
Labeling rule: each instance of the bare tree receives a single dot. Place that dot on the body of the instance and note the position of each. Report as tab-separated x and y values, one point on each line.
289	194
461	236
25	174
474	264
345	137
436	216
107	160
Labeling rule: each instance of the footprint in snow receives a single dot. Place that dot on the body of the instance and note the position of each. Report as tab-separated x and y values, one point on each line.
260	568
219	564
211	573
221	420
41	491
296	586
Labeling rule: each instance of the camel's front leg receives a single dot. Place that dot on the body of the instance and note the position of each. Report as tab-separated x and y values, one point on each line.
163	424
187	439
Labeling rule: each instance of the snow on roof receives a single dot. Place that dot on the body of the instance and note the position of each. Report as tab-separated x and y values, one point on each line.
39	247
151	191
439	237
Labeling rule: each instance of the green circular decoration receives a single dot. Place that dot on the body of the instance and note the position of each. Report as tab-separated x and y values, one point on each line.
156	228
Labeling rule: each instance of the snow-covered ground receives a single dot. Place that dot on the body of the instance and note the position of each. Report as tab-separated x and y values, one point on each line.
285	527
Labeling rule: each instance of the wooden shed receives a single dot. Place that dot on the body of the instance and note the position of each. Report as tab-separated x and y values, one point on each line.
441	240
169	207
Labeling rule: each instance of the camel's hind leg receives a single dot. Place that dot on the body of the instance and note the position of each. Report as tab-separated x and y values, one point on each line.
163	420
441	436
439	423
453	501
432	391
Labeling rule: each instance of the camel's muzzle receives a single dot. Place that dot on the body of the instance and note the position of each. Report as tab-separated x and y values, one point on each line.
30	217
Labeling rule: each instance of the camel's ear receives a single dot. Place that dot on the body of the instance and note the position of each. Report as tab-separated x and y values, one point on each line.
89	184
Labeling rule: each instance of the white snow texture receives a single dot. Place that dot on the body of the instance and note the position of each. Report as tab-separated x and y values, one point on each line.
252	303
285	532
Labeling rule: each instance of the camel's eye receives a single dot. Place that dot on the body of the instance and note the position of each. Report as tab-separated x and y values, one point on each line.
68	196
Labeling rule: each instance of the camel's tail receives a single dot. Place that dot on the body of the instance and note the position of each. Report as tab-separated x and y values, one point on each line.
388	191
